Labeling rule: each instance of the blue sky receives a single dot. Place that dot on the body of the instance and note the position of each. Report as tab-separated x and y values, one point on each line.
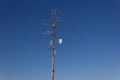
91	40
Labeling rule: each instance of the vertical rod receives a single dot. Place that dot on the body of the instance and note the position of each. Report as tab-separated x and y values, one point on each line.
53	64
54	46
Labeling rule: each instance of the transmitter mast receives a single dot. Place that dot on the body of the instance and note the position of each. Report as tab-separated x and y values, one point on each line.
53	43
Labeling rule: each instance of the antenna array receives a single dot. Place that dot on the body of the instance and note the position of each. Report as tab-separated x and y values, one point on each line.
54	23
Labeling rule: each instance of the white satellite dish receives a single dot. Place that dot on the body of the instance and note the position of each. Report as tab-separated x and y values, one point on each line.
51	42
60	41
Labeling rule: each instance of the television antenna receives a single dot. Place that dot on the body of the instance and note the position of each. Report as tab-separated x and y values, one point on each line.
53	43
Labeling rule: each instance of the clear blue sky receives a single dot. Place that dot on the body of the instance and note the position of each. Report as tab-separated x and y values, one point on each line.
90	32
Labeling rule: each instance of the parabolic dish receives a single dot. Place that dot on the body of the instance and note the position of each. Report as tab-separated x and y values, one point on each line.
60	41
51	42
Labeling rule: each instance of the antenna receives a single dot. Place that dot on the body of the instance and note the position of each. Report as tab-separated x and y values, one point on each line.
53	43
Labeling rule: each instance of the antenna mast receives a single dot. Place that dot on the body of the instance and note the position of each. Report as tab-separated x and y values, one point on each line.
53	43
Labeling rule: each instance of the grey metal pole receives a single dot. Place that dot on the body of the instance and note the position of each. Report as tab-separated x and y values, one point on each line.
53	64
54	48
53	42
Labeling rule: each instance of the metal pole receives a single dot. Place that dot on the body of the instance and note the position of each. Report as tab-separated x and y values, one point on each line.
56	21
54	45
53	64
